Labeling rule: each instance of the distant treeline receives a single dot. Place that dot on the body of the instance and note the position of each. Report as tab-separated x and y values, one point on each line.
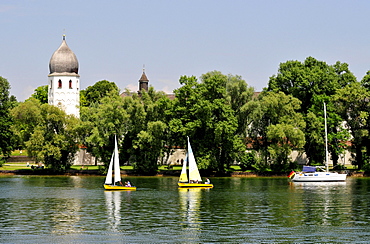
225	121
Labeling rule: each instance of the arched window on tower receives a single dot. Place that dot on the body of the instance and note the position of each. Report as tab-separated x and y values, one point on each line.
70	84
59	84
51	84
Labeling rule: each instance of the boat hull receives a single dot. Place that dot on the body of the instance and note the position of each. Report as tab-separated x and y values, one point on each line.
115	188
319	177
194	185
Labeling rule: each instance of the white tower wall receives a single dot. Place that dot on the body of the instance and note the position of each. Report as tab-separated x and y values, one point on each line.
64	92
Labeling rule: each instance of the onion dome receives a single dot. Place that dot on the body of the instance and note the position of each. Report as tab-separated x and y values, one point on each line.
63	60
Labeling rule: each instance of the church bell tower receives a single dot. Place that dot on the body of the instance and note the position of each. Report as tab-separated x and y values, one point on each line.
64	85
143	82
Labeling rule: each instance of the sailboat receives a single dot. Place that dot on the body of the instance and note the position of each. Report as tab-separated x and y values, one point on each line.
194	179
309	173
110	181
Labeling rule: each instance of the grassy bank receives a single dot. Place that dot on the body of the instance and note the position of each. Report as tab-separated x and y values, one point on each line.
24	168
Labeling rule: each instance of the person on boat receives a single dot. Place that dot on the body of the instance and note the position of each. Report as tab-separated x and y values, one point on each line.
128	184
208	181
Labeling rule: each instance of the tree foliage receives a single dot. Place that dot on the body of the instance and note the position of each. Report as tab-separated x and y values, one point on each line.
27	115
98	91
277	128
239	94
148	130
100	123
352	103
220	113
312	82
203	111
6	135
41	94
47	133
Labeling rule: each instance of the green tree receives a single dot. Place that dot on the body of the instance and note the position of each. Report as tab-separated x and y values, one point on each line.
311	82
365	82
149	145
239	94
148	131
27	115
100	122
352	103
6	135
277	128
41	94
13	101
203	112
52	137
94	94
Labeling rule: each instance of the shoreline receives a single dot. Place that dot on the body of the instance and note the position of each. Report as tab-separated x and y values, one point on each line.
174	173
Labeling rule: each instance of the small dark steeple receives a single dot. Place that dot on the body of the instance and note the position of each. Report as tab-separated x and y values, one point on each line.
143	82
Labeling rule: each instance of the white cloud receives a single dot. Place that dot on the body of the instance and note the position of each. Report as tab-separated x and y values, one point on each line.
132	87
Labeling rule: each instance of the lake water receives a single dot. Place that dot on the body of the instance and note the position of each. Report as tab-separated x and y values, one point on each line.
74	209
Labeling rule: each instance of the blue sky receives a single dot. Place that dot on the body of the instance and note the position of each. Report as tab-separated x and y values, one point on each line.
113	39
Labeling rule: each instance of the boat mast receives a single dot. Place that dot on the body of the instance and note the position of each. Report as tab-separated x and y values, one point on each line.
326	141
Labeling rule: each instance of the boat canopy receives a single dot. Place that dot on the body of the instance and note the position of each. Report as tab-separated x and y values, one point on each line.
309	169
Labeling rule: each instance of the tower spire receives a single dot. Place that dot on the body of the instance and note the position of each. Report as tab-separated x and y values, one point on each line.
143	82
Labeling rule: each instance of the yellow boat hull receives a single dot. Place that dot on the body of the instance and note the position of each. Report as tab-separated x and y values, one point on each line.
113	188
194	185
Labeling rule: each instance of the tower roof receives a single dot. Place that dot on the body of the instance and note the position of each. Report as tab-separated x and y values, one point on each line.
143	77
63	60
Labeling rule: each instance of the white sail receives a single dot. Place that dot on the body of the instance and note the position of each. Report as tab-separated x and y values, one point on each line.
117	171
114	163
108	179
193	168
184	175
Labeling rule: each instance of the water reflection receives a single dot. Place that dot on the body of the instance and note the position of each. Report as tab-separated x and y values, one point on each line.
321	203
190	199
76	181
317	185
113	205
66	215
239	210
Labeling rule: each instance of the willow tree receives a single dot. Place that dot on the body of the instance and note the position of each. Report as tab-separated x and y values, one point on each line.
277	129
48	134
202	111
148	132
27	115
239	94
